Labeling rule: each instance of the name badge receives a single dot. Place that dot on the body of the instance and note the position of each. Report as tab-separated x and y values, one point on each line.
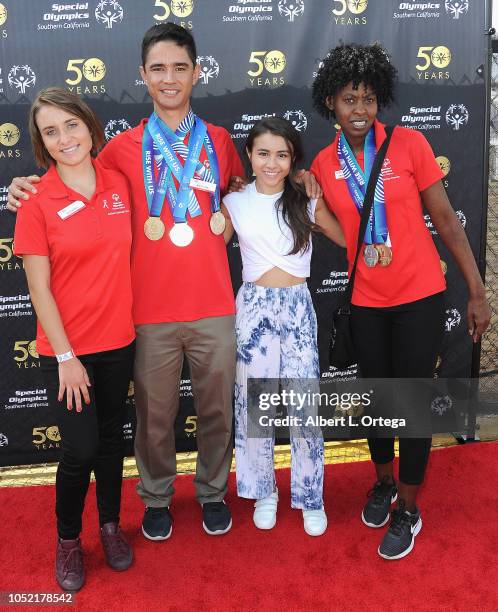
70	209
339	174
202	185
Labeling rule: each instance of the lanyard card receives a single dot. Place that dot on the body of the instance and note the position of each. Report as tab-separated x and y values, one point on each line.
196	183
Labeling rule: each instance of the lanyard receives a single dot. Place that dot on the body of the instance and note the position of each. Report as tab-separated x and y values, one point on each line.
377	231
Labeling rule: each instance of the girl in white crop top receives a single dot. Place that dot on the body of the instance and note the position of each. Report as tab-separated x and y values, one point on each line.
275	320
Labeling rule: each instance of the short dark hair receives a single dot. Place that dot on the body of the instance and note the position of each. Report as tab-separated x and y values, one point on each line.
71	103
169	32
367	64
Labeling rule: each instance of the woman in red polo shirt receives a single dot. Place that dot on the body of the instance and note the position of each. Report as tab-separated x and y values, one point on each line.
75	239
397	303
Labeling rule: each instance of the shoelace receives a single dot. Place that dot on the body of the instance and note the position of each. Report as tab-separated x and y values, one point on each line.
379	490
73	561
115	544
399	519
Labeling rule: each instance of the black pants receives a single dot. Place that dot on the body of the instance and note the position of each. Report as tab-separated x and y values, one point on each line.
400	342
91	439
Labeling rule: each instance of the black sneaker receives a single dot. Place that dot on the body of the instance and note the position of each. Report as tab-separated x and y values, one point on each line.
157	523
376	511
217	519
400	537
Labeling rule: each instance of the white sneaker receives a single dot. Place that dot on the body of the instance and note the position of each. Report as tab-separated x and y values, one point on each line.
315	522
265	512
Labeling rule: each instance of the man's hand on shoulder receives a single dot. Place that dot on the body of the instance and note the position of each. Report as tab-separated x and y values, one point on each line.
310	184
20	189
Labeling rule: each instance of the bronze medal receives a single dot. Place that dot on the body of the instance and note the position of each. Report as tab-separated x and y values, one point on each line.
385	254
181	234
371	256
217	223
154	228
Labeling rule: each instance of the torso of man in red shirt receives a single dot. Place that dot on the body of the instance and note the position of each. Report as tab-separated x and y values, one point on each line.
173	283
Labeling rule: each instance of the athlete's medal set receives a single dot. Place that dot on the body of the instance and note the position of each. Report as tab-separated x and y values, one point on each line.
160	145
378	245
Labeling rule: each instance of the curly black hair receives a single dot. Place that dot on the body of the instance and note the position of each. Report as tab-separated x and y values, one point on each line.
367	64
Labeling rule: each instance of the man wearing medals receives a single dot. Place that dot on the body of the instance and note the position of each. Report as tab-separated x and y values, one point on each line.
183	299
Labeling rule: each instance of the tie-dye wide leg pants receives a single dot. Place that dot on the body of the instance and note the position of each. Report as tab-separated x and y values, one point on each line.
276	333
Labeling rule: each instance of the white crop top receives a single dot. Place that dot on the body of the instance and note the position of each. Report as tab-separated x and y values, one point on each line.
264	237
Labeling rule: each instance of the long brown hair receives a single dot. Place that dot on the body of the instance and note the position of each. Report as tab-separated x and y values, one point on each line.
293	202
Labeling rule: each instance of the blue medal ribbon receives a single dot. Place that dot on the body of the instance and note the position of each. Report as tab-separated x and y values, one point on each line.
176	142
160	144
357	180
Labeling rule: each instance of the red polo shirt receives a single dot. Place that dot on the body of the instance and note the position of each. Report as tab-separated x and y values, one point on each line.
173	283
89	259
409	168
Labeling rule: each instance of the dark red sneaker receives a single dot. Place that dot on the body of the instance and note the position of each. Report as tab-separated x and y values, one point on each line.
69	570
118	552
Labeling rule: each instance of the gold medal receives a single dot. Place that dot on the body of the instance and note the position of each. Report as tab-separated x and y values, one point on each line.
385	254
154	228
181	234
217	223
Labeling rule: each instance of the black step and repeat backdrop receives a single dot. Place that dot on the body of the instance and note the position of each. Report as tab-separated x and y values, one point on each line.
258	58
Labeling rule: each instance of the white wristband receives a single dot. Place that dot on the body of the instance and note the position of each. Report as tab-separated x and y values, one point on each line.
65	356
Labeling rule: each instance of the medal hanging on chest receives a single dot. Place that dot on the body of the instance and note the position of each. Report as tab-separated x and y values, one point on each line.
165	146
154	228
377	249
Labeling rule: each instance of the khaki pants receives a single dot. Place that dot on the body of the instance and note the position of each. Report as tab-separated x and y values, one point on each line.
209	345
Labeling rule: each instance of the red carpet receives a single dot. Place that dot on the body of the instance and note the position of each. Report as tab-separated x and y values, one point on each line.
453	566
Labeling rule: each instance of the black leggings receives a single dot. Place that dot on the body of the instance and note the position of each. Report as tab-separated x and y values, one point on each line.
400	342
91	439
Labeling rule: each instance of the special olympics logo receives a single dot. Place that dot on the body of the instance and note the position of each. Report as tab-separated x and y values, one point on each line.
441	56
275	61
94	69
52	433
319	63
21	77
291	8
457	116
9	134
453	319
182	8
444	164
115	127
456	8
357	6
3	14
210	69
441	404
298	119
109	12
3	440
462	218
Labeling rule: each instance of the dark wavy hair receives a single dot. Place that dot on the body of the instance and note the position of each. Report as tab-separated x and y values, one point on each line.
293	203
367	64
